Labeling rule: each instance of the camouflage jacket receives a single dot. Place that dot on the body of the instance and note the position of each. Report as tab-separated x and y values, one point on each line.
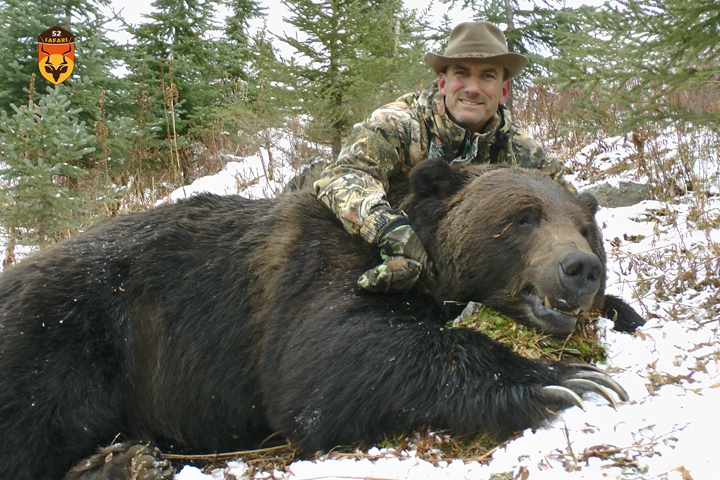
396	137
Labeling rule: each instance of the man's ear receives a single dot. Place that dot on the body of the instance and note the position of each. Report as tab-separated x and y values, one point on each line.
441	83
505	92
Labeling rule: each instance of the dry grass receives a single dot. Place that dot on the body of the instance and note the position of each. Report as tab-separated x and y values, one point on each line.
673	267
674	159
270	459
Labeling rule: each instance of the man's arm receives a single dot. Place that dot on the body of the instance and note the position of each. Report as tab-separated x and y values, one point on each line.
354	187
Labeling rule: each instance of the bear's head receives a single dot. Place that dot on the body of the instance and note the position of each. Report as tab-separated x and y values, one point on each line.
510	238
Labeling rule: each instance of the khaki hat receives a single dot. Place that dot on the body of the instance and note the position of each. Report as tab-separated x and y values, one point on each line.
477	40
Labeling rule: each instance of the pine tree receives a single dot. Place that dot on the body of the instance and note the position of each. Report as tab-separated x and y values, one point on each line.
20	24
41	145
237	53
643	62
179	60
238	117
92	79
179	78
352	57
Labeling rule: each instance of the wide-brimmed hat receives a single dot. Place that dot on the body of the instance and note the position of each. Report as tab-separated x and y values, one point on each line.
481	41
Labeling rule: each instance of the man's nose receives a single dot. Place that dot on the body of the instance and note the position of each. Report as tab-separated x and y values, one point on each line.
473	85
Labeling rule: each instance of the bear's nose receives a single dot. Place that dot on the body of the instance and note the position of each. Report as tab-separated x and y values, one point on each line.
580	273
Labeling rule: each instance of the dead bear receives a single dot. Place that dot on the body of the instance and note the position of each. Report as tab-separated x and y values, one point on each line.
216	321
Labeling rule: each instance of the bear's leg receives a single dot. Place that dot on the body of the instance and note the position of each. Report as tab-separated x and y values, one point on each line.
61	397
625	317
123	461
41	437
356	379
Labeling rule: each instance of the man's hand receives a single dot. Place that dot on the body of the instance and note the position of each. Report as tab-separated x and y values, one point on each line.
404	259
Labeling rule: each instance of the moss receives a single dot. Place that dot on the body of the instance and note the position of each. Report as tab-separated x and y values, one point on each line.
583	343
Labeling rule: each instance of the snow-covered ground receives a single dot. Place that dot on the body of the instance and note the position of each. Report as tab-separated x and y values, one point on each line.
664	258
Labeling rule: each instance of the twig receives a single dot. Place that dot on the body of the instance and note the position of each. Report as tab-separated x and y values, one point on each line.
231	455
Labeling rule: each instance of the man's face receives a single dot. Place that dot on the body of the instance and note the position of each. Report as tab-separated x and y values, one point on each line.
473	92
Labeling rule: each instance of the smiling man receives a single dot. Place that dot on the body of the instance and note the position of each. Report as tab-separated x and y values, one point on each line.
473	93
460	117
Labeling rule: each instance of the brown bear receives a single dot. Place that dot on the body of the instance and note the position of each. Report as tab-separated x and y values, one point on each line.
211	323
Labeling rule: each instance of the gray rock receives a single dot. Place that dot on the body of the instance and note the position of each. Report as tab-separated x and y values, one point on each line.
470	310
622	195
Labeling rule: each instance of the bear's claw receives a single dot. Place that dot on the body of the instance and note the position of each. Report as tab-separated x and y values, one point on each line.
568	394
588	379
598	377
590	386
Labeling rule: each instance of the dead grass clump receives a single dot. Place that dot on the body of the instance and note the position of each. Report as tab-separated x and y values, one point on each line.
676	266
275	458
435	447
432	446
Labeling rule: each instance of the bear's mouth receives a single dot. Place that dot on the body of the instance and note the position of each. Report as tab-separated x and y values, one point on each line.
553	316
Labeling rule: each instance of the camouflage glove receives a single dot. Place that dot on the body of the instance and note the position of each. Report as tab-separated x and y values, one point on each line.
404	260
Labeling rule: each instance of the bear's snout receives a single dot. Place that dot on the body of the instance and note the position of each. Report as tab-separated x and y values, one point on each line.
580	273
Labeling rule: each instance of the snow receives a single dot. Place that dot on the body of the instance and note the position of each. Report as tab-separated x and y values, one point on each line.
670	367
247	176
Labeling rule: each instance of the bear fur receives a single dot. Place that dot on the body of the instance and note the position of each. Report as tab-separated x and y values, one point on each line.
211	323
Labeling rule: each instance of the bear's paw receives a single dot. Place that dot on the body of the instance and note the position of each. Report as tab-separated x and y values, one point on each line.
123	461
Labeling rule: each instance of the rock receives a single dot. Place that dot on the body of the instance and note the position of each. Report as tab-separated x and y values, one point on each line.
622	195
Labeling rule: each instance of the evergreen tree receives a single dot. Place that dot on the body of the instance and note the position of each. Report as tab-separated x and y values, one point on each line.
20	24
178	60
237	53
92	79
251	109
41	145
182	72
236	117
640	63
353	56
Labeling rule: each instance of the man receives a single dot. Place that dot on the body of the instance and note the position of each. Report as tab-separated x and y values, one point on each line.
460	117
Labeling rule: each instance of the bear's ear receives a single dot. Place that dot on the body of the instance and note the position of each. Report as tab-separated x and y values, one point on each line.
590	201
434	177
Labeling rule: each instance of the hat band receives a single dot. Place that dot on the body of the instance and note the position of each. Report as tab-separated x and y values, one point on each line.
474	55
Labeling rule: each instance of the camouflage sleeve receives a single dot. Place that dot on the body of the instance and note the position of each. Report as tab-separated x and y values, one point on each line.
354	186
528	153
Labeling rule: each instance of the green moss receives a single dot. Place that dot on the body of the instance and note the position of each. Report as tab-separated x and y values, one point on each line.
583	344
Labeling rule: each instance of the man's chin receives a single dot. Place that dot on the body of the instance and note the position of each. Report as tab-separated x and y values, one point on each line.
471	118
473	123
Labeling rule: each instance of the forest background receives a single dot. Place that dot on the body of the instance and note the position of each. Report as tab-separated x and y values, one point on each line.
197	84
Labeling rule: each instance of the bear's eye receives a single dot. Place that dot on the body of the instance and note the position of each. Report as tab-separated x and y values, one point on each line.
587	233
527	219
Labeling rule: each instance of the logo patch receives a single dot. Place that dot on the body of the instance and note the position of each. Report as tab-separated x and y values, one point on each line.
56	54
